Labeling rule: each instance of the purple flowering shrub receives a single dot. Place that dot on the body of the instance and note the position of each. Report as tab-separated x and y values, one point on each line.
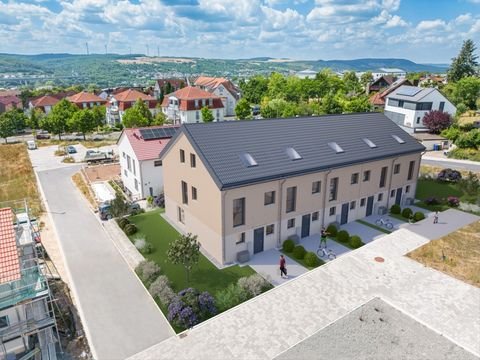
453	201
432	201
189	308
449	175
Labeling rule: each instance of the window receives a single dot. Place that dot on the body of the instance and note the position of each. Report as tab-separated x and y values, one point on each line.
333	189
182	156
136	184
194	193
269	198
353	204
4	321
425	106
184	192
411	168
315	216
181	215
380	197
366	175
270	229
362	202
418	120
157	163
290	223
129	163
124	155
239	212
354	179
248	160
383	176
400	103
333	209
218	115
407	189
210	102
392	193
125	173
442	105
193	161
197	115
241	239
370	143
196	102
291	198
134	167
335	147
316	187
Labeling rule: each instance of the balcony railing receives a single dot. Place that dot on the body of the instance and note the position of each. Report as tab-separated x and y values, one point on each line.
31	284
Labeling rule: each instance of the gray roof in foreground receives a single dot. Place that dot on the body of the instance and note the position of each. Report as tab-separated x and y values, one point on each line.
220	145
376	330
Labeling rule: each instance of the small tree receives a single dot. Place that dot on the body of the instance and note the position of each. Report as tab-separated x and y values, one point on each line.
35	118
159	118
119	206
83	121
185	251
56	121
242	110
207	115
7	127
137	115
99	114
465	64
436	121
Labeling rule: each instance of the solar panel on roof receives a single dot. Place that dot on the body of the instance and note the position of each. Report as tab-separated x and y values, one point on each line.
408	91
159	133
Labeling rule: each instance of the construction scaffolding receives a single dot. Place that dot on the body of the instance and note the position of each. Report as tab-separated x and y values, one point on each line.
29	328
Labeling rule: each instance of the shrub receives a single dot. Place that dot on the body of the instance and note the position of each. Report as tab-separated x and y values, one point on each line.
137	211
123	222
406	213
189	308
356	241
254	285
332	229
343	236
231	296
471	184
130	229
311	259
143	246
453	201
461	108
436	121
158	287
431	201
60	152
395	209
418	216
288	245
147	271
150	201
299	252
449	175
68	160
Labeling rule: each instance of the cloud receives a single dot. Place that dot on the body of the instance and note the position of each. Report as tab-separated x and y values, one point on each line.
431	24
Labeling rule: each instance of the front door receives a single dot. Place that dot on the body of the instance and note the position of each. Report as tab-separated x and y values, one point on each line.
369	206
258	235
305	225
344	217
398	197
151	191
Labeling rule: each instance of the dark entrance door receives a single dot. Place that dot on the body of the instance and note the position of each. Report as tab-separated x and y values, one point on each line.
258	235
398	197
151	191
344	216
305	225
369	206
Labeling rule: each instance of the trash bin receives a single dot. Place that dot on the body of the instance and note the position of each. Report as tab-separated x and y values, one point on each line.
436	147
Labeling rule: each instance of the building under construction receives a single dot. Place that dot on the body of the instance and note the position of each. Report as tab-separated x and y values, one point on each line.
27	321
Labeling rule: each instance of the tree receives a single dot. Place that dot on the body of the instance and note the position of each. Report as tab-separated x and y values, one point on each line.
35	118
138	115
17	118
83	121
352	85
207	115
159	118
467	91
185	251
465	64
272	108
357	104
243	110
118	206
57	120
7	127
436	121
99	114
254	89
366	79
331	105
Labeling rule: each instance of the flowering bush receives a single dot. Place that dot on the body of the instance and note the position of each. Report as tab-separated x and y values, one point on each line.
449	175
431	201
160	289
254	285
453	201
189	308
148	271
159	201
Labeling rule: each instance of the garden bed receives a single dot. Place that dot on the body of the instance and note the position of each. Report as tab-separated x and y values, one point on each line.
302	261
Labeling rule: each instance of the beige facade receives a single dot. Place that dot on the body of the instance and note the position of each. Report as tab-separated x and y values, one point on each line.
211	216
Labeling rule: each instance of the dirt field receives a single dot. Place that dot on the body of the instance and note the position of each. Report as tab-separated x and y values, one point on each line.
102	172
457	254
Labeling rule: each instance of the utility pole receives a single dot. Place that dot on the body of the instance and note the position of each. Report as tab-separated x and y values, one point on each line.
147	49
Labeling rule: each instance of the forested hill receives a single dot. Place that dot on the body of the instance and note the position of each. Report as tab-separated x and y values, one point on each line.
136	69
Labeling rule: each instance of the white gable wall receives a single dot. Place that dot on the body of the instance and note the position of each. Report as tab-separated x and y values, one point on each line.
130	176
229	102
152	178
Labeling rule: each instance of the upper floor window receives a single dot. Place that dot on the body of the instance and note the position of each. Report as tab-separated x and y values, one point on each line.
182	156
157	163
129	163
441	106
366	175
333	189
239	212
269	198
194	193
316	185
193	160
291	198
396	169
184	192
424	106
383	176
411	168
354	179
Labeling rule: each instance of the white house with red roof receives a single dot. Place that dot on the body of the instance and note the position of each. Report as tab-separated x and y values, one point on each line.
118	103
224	89
84	100
141	167
44	103
185	105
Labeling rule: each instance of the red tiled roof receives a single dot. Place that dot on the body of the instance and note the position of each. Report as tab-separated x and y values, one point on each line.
85	97
189	94
9	259
145	149
132	96
46	100
213	83
10	99
377	99
10	92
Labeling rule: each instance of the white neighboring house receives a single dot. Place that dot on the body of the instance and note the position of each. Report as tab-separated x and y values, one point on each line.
407	105
399	73
185	105
224	89
140	164
306	74
118	103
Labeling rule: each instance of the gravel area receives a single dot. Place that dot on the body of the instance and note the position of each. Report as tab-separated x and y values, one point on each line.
376	330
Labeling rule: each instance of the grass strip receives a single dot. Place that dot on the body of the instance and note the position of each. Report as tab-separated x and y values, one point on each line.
374	226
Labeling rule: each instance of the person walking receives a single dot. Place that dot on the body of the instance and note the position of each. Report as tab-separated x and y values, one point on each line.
323	237
283	269
435	218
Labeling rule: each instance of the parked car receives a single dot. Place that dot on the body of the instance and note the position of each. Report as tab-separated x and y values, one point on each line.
104	210
31	145
71	149
43	136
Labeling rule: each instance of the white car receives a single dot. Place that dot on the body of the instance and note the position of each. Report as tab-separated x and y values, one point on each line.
31	145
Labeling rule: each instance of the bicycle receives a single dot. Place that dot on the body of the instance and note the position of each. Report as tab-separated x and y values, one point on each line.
384	222
328	253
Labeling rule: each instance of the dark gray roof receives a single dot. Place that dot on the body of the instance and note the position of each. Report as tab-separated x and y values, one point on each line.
422	92
220	145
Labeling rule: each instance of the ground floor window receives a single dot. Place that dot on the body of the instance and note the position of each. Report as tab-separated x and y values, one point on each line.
362	202
290	223
407	189
380	197
315	216
270	229
3	321
241	238
392	193
181	215
353	204
136	184
333	210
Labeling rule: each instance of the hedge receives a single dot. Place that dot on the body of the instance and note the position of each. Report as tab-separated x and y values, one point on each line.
288	245
332	229
419	216
130	229
311	259
299	252
406	213
343	236
395	209
356	241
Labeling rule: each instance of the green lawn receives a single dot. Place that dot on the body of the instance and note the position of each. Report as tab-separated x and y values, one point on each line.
301	261
373	226
204	277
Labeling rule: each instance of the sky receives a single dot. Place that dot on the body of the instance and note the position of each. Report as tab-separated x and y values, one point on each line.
425	31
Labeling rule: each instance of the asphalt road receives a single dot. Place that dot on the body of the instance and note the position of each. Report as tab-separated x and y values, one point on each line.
452	164
119	316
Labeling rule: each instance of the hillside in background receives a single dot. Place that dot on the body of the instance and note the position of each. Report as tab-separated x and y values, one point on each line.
136	69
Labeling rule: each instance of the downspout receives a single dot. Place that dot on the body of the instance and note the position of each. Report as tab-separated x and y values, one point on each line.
280	199
224	193
141	178
324	199
390	183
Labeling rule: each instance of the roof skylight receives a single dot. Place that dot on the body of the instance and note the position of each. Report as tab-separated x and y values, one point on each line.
369	143
399	140
335	147
248	159
292	153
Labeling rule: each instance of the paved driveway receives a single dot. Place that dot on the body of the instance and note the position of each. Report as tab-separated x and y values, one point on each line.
119	316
